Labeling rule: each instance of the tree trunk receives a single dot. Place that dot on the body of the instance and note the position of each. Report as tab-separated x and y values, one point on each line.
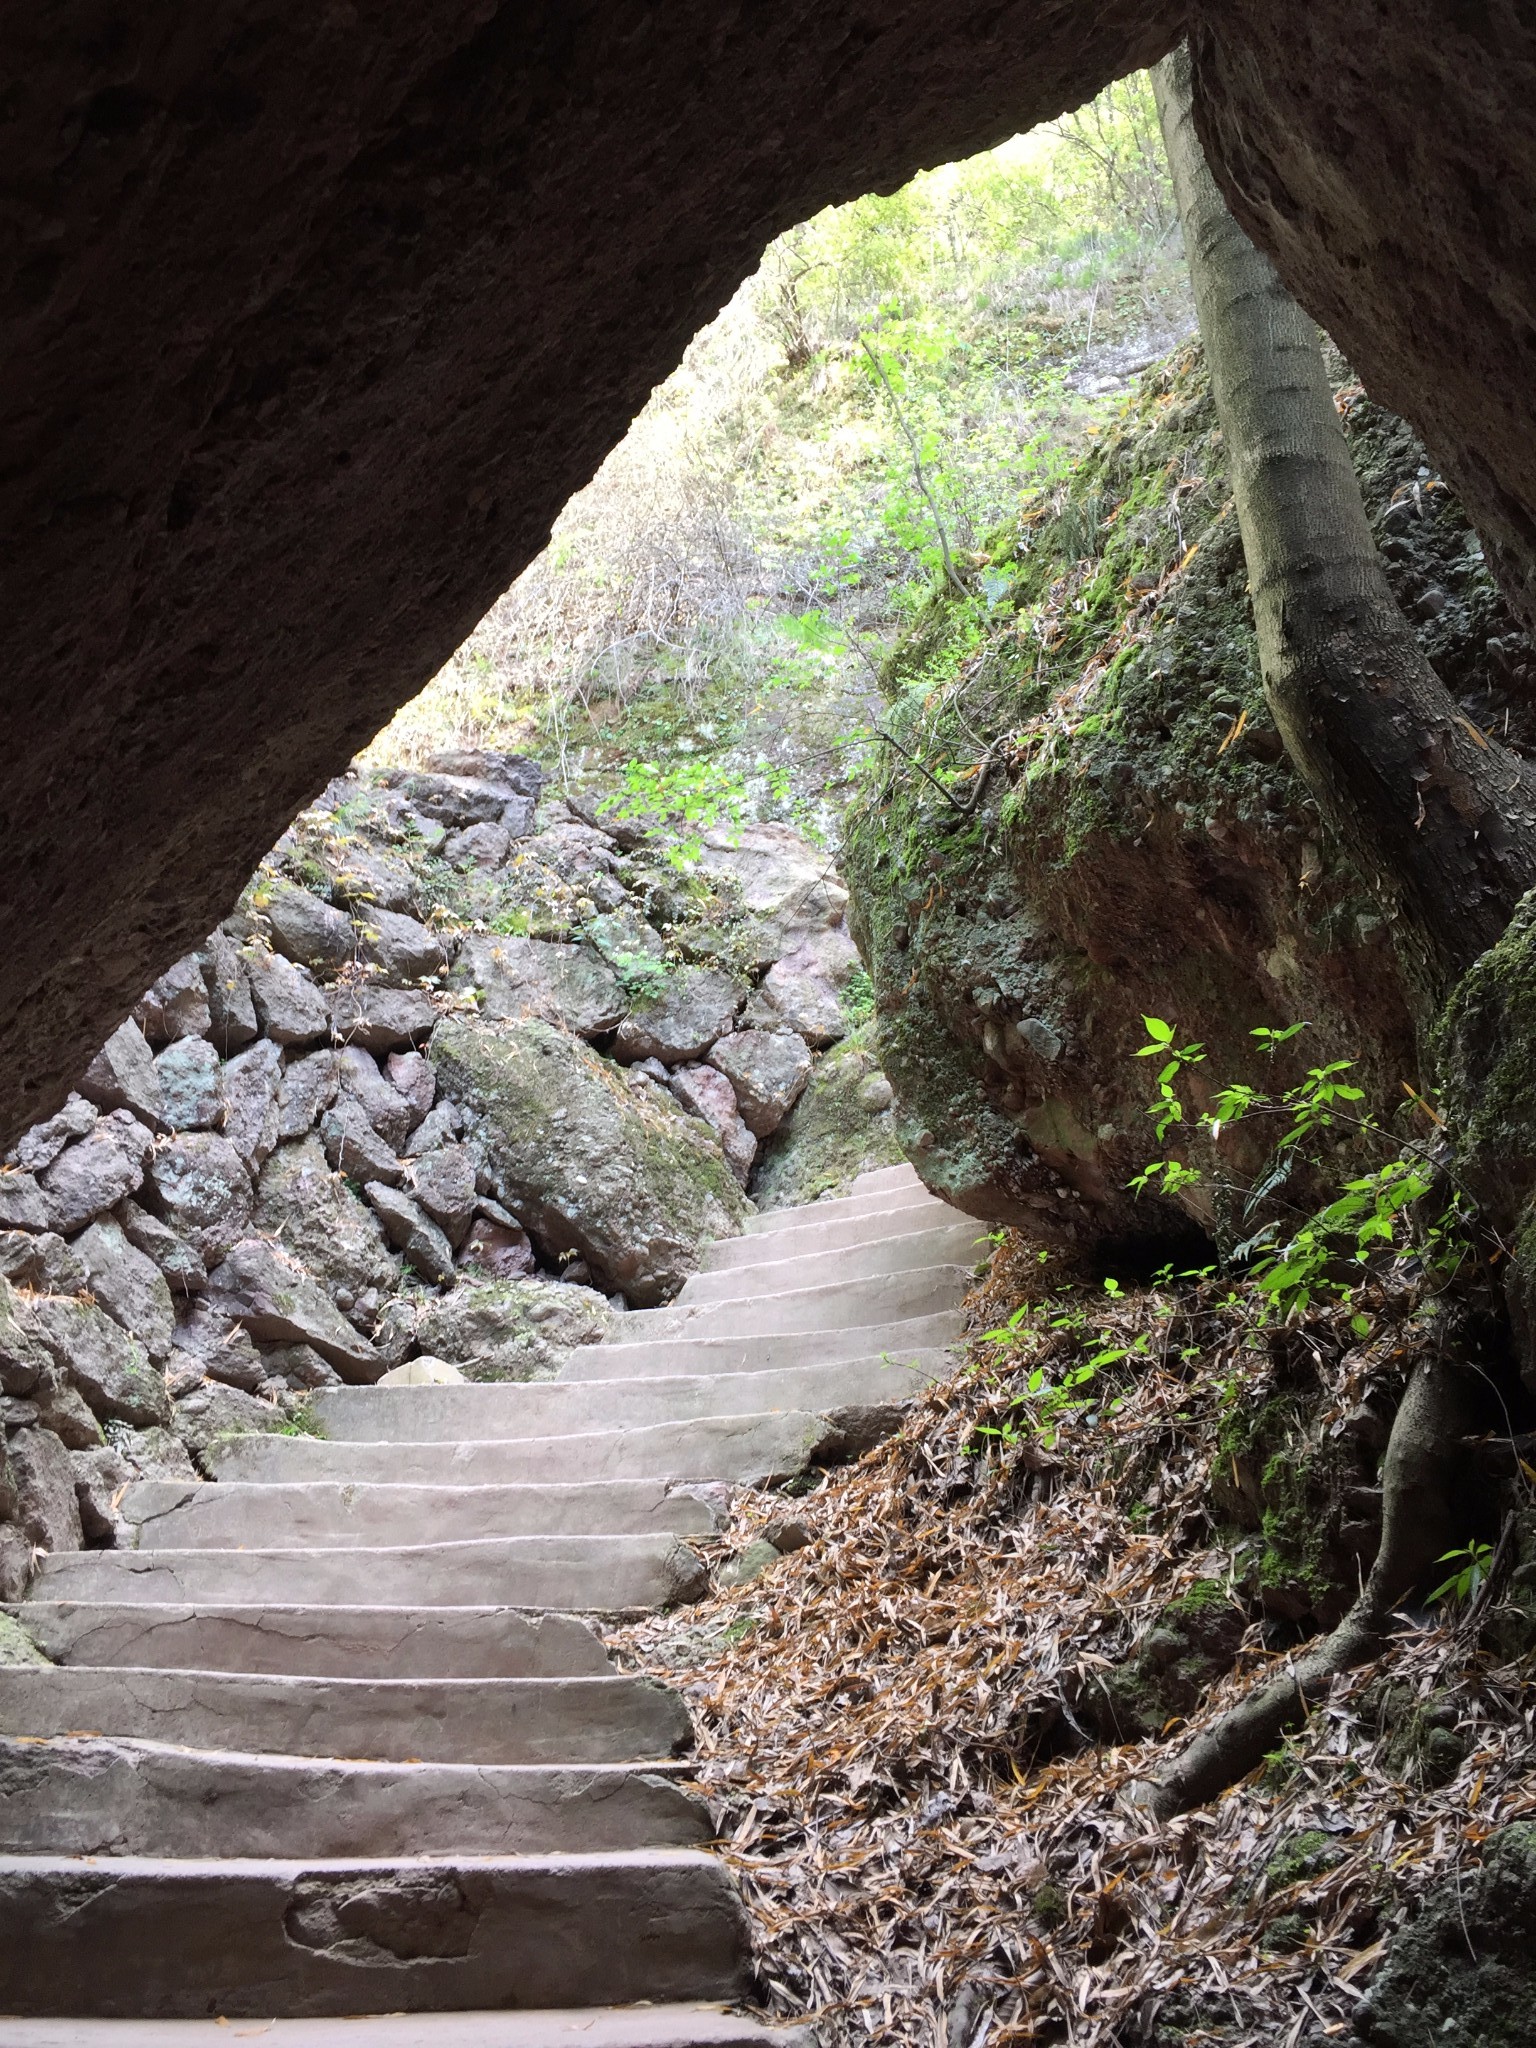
1440	821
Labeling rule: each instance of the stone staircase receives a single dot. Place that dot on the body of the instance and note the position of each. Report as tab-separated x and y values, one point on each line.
333	1738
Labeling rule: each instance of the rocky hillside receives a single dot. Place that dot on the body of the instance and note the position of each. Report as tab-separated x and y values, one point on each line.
466	1075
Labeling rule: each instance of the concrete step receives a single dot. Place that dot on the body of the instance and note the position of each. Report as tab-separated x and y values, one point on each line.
102	1797
195	1515
833	1305
959	1243
680	1357
575	1574
317	1642
550	1408
648	2026
822	1234
250	1939
882	1178
392	1720
834	1208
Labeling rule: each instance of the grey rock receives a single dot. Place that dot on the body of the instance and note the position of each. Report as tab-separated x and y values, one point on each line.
785	887
436	1128
831	1135
698	1005
401	947
41	1145
231	1006
367	880
355	1148
875	1094
200	1185
571	986
1463	1973
181	1263
511	1329
177	1006
15	1413
291	1009
518	774
455	800
798	991
385	1108
191	1086
43	1262
101	1477
122	1076
109	1368
211	1413
589	1167
154	1453
381	1019
22	1358
444	1184
47	1512
705	1092
413	1233
301	1366
218	1348
410	1074
312	1213
61	1411
16	1646
22	1206
15	1567
129	1286
307	1089
251	1082
278	1302
479	846
499	1250
93	1176
307	930
768	1070
8	1496
750	1565
583	856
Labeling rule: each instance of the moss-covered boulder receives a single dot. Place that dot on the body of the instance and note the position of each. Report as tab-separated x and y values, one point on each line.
1172	1667
1463	1974
593	1164
843	1125
1126	836
510	1329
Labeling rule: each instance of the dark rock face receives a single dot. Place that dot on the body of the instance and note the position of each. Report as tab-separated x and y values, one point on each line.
340	310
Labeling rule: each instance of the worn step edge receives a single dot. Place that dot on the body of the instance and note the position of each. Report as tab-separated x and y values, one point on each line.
115	1796
648	2026
824	1233
958	1242
688	1357
249	1938
838	1305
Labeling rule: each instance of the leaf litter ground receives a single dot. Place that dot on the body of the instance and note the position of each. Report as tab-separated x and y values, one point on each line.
931	1849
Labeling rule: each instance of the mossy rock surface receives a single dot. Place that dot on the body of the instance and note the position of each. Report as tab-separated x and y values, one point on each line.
1166	1677
843	1125
16	1646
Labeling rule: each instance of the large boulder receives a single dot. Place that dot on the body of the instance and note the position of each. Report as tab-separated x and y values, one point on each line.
695	1006
355	1148
572	986
177	1006
250	1087
201	1187
370	881
93	1176
111	1369
511	1329
48	1511
122	1076
768	1071
444	1183
191	1078
785	886
390	1114
313	1214
280	1303
591	1167
22	1203
798	993
380	1020
307	1089
843	1125
705	1093
129	1286
22	1358
412	1232
182	1263
308	930
290	1006
42	1144
401	947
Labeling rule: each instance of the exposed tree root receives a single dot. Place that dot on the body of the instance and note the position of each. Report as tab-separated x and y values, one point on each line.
1417	1529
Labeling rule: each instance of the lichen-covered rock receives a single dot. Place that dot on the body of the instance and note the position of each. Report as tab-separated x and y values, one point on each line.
16	1646
571	986
784	887
768	1071
93	1176
47	1510
199	1183
1463	1974
800	994
22	1206
111	1369
290	1007
380	1020
177	1006
268	1291
637	1190
182	1263
1173	1666
412	1232
511	1329
696	1006
705	1092
42	1144
191	1079
129	1286
122	1076
842	1126
250	1088
317	1218
154	1453
211	1414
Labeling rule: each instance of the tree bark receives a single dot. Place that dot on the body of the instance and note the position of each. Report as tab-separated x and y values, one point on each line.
1440	821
